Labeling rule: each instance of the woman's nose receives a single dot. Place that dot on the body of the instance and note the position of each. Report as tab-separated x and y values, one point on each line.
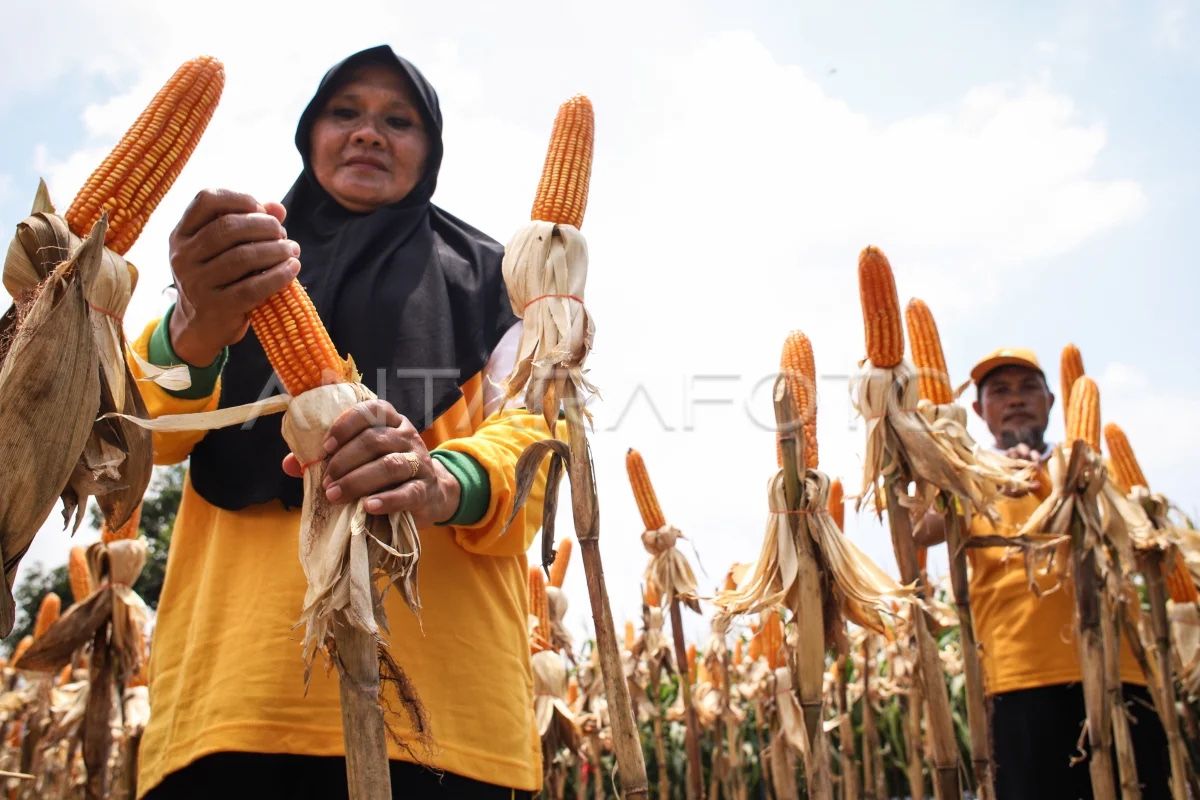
368	134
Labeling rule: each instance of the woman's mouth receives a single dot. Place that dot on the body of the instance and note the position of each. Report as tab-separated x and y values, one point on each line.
366	162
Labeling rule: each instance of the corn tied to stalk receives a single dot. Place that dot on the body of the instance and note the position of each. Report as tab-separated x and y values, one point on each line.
127	531
47	615
131	181
539	602
562	192
880	309
79	574
926	347
798	367
1126	471
643	491
1083	413
21	648
562	560
837	503
1070	369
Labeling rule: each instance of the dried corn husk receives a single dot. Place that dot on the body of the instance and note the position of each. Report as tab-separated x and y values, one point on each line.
555	720
545	269
868	596
668	574
928	443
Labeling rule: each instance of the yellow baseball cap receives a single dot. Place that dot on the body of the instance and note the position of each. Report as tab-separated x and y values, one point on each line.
1005	357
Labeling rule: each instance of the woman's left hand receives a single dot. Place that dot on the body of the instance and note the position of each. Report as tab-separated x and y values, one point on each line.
377	454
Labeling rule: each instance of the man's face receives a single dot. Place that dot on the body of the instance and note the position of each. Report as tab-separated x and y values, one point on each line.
1015	403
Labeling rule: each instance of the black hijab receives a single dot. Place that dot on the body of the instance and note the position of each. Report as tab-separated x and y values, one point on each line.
414	294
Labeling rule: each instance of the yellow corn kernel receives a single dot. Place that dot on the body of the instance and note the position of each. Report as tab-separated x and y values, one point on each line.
1083	414
643	491
131	181
79	574
1070	369
652	596
926	347
772	639
799	369
296	341
47	614
880	309
127	531
562	192
1125	468
562	560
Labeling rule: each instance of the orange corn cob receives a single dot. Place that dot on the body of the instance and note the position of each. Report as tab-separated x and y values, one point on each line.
630	635
1083	413
539	603
22	646
691	664
64	675
1181	586
880	309
737	651
572	690
79	574
755	649
703	674
797	366
562	560
643	491
837	503
1125	469
127	531
563	190
1070	369
772	639
47	614
927	355
297	343
131	181
652	596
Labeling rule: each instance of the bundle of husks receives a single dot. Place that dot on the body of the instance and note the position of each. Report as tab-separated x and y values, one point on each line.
62	344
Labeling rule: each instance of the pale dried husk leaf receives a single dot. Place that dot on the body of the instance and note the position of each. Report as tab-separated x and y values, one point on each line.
136	710
1185	630
866	594
669	572
49	393
930	444
560	636
555	721
342	548
545	270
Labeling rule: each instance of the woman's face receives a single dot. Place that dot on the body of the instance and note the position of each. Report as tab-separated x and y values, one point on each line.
369	143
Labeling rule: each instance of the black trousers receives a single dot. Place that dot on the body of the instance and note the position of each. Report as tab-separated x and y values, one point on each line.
1034	737
263	776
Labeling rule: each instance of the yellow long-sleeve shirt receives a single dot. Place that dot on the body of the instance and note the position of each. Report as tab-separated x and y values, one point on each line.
225	668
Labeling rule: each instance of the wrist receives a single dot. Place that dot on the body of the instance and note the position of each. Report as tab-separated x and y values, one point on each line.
450	491
187	346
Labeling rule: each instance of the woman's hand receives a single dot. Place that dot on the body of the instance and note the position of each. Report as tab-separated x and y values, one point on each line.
376	453
229	253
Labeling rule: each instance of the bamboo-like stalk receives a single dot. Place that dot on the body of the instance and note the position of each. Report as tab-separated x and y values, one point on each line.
97	742
660	755
1122	737
1151	564
783	768
849	764
368	774
870	734
695	766
929	665
977	721
915	768
1091	658
807	615
764	760
626	743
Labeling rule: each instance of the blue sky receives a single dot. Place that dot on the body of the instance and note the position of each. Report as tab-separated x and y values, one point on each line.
1030	169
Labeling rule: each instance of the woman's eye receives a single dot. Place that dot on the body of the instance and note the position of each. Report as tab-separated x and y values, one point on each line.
343	113
399	123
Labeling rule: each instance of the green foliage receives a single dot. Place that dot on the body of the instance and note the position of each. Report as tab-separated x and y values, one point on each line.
158	518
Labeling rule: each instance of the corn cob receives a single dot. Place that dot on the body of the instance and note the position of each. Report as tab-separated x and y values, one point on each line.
79	574
572	691
127	531
880	309
562	560
1070	369
798	367
1083	413
1125	469
131	181
1181	586
630	635
47	614
22	646
643	491
562	192
691	664
837	503
755	648
64	675
772	639
297	343
927	355
651	596
737	651
539	602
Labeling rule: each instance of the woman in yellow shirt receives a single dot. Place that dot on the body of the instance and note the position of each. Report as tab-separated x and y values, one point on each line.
416	296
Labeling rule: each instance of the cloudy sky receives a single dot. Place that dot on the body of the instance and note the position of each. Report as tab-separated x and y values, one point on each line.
1030	171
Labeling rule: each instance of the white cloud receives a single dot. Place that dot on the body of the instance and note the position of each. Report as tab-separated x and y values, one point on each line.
1171	22
731	194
